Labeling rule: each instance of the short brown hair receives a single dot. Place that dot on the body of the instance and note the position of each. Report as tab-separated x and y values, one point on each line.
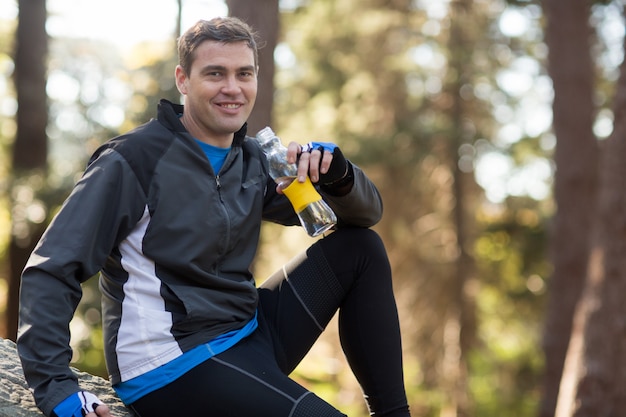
219	29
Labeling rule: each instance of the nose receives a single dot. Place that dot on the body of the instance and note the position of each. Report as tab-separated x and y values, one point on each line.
231	84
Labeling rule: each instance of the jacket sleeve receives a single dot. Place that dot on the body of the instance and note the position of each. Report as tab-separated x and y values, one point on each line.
362	206
103	206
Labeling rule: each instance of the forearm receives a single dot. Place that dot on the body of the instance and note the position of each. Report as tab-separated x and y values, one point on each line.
43	340
362	204
74	248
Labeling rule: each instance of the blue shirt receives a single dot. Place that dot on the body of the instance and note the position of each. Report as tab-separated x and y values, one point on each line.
216	155
131	390
135	388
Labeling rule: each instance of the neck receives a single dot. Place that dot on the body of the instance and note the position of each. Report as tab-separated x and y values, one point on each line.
224	140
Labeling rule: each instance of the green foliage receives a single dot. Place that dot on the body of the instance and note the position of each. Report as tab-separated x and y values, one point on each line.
128	92
151	76
90	86
411	94
7	132
416	99
86	327
511	258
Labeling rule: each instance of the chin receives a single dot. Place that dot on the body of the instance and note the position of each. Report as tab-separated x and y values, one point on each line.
233	126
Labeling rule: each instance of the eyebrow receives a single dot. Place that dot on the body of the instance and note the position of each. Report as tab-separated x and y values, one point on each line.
209	68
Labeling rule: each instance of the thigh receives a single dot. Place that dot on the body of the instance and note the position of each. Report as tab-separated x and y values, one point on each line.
243	381
297	302
348	267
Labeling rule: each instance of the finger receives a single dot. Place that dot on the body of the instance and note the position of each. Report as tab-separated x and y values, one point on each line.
314	165
303	166
327	159
293	150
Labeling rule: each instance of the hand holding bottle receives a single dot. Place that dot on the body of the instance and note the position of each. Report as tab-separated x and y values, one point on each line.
290	169
322	161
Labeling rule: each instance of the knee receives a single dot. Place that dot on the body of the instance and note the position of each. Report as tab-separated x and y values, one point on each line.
361	241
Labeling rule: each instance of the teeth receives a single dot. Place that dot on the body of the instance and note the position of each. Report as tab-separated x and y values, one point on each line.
230	106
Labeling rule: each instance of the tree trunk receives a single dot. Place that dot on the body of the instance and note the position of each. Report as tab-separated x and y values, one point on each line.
30	149
594	377
460	321
568	36
263	16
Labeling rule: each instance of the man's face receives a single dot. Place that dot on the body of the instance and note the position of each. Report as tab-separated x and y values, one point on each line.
220	89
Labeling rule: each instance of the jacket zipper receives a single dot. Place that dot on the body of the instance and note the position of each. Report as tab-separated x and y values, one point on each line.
227	237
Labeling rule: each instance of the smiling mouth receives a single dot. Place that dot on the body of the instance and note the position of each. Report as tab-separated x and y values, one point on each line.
230	106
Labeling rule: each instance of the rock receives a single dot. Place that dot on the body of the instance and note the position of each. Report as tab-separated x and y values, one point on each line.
17	401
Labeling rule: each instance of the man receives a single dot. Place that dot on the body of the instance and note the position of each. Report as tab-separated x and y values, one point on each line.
170	216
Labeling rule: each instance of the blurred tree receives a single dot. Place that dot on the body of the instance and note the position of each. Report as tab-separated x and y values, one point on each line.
409	90
584	242
151	76
140	81
568	36
461	111
593	380
30	148
7	135
350	80
263	17
152	69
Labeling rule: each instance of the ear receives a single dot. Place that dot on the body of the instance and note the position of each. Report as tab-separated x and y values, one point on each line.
181	78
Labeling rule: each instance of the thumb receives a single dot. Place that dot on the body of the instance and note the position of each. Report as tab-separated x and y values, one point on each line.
102	411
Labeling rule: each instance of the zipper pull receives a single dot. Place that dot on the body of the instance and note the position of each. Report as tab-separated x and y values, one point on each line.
217	181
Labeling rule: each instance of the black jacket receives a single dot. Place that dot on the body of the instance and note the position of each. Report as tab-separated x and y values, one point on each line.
173	242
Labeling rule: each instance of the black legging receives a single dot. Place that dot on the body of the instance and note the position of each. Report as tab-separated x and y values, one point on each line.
348	270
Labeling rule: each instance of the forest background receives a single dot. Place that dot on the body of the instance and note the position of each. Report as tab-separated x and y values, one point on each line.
494	129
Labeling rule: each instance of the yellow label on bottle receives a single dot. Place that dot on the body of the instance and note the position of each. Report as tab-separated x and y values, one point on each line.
301	194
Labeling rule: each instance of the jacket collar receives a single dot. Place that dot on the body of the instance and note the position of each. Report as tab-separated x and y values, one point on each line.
169	115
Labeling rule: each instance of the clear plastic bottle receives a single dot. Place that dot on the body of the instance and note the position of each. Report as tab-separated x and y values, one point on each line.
315	215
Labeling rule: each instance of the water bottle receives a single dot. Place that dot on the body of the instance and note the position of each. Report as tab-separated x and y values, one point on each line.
315	215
